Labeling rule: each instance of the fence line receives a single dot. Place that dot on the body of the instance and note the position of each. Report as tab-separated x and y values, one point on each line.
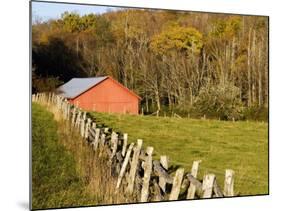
134	168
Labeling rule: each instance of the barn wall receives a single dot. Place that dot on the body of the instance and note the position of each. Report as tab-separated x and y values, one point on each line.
108	97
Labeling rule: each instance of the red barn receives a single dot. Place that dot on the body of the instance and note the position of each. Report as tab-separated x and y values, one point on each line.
102	94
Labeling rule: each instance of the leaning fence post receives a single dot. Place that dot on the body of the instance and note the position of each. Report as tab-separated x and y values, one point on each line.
207	186
192	188
229	183
176	184
147	173
134	165
124	165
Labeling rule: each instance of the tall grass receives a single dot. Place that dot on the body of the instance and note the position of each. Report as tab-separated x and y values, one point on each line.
65	170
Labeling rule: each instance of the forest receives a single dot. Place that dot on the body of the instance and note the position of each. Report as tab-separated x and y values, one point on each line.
189	63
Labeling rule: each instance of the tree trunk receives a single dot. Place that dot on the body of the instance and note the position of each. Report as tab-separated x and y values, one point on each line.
260	77
249	69
191	96
146	103
254	66
157	99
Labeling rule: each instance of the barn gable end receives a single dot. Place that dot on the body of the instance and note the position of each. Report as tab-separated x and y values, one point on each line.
102	94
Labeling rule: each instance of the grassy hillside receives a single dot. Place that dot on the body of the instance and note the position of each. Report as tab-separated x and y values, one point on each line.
55	181
65	171
241	146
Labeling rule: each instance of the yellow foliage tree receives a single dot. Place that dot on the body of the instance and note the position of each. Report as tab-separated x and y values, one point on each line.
186	39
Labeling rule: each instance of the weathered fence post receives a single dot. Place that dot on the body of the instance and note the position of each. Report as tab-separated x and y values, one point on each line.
114	143
147	173
176	184
82	129
68	111
133	168
125	140
94	125
77	123
192	189
164	162
124	165
102	139
86	133
73	116
207	186
97	135
229	183
217	190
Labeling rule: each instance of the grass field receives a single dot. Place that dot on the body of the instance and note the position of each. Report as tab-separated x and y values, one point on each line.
241	146
55	181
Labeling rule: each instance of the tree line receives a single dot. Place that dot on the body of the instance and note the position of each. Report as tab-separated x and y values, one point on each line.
186	62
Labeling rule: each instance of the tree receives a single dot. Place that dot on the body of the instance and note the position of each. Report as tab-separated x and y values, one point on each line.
185	39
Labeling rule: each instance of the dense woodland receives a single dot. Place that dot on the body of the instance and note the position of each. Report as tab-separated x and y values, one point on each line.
184	62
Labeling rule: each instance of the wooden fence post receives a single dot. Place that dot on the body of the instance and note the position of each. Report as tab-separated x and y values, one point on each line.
217	190
164	161
102	139
165	164
207	186
176	184
77	123
114	143
94	125
82	128
124	165
133	168
68	111
229	183
73	116
125	141
147	173
192	189
97	135
86	134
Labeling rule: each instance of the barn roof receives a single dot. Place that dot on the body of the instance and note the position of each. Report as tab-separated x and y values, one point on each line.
76	86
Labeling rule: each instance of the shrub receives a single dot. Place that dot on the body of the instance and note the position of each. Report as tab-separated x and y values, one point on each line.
221	101
256	113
